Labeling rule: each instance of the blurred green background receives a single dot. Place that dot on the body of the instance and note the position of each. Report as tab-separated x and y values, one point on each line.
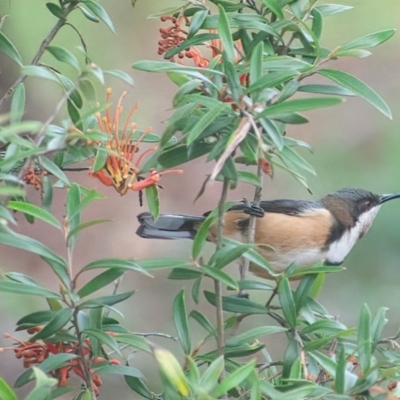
354	146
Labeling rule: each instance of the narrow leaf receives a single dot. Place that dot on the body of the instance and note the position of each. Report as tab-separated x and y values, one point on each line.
358	87
225	35
60	319
236	305
298	105
7	47
181	322
34	211
287	302
101	280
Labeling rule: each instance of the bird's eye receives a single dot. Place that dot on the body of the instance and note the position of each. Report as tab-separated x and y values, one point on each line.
367	204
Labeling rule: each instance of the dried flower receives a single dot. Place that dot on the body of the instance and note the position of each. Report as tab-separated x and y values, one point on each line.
34	177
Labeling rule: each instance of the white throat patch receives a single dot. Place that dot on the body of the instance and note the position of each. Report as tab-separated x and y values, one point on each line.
338	250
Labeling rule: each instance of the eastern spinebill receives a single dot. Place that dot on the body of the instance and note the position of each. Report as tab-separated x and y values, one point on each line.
292	231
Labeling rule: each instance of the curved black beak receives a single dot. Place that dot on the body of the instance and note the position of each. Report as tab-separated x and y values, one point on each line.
386	197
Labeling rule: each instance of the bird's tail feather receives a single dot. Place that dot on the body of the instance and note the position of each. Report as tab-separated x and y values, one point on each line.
168	226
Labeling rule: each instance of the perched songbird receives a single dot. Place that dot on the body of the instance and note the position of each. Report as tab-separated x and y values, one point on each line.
292	231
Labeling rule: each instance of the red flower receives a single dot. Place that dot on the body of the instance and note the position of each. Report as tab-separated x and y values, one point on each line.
121	168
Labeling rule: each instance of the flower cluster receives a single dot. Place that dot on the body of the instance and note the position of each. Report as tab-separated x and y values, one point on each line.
121	166
174	35
35	352
34	177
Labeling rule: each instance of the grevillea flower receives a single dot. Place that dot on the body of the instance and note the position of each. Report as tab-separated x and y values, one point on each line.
174	35
122	166
34	353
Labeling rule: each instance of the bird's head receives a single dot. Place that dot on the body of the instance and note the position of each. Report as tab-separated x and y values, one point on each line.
351	206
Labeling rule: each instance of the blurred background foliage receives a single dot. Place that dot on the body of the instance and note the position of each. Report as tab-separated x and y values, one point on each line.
354	145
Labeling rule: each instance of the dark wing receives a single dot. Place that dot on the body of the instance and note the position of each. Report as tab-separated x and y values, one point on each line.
284	206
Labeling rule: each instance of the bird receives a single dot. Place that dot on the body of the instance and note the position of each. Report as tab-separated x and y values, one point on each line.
302	232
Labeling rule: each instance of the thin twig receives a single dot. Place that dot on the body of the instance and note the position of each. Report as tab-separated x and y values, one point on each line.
46	41
117	284
81	345
217	284
244	266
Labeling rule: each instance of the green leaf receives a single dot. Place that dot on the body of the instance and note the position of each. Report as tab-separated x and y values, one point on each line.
101	280
100	12
256	60
367	41
121	75
73	211
177	155
100	159
325	89
40	72
377	324
330	9
74	114
184	274
7	47
364	339
358	87
196	22
359	53
203	231
52	363
56	10
287	302
236	305
10	238
220	276
254	333
181	322
119	370
207	119
60	319
106	300
255	285
43	386
297	105
118	263
317	23
135	341
64	55
103	338
49	166
203	321
158	263
34	211
89	15
153	201
232	78
225	35
234	379
6	393
271	80
228	254
139	387
212	374
17	108
36	318
275	7
85	225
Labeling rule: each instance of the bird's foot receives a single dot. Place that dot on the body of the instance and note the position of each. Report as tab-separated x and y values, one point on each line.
254	210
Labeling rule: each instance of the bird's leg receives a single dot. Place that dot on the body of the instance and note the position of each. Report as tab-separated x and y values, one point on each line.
242	270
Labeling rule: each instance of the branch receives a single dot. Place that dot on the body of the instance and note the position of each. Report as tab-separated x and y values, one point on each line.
217	284
46	41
